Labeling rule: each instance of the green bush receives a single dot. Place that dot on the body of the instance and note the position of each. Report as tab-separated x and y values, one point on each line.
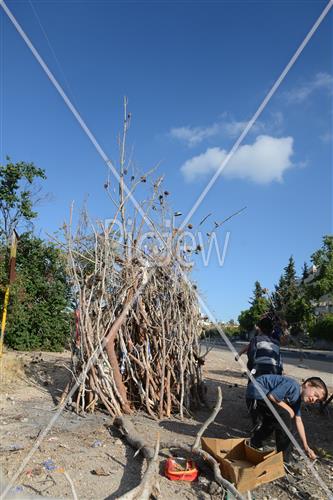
231	330
210	332
39	313
323	328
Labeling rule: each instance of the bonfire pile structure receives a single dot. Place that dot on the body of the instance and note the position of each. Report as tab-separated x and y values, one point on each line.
136	345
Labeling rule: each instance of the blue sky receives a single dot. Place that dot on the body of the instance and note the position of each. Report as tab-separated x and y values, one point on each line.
194	73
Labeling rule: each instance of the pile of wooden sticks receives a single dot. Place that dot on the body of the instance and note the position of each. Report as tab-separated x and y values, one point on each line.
136	342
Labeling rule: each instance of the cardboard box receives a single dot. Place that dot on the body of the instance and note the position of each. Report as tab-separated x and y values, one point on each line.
242	465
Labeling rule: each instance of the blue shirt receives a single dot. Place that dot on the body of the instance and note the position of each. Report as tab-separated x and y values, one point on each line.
282	388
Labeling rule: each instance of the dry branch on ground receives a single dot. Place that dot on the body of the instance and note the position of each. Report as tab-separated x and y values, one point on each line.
195	451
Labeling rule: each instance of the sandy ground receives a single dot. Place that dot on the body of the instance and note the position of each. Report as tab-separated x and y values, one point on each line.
85	447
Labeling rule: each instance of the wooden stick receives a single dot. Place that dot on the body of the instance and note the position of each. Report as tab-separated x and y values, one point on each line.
210	419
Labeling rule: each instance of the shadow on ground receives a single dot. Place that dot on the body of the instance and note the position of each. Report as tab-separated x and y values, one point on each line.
231	421
132	473
229	373
51	375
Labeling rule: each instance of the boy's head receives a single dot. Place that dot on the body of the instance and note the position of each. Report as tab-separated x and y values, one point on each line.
313	390
266	325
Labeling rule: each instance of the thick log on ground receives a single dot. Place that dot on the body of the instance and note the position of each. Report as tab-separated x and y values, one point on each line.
149	482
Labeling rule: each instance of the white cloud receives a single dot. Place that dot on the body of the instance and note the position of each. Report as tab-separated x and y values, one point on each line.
229	128
321	81
235	128
262	162
195	135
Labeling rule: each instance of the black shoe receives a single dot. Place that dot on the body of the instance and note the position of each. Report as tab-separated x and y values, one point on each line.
289	460
293	468
256	444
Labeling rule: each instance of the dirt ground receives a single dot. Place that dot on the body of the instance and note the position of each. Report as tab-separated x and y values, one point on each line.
82	448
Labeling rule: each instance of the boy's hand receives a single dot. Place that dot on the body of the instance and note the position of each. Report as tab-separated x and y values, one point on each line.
310	453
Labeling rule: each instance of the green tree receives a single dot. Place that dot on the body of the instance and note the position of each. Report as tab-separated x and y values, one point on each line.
291	301
39	309
286	292
259	306
287	289
39	313
259	302
17	196
245	320
323	260
305	271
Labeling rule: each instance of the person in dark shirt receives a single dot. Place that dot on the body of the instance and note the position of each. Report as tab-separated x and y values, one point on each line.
286	396
281	331
263	351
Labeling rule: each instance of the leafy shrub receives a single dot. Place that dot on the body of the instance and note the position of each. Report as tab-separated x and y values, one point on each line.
39	312
323	328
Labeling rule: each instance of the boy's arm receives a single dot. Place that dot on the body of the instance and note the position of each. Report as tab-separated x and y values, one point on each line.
284	339
282	404
301	432
242	351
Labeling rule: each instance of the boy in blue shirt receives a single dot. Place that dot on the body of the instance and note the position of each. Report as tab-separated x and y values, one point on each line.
286	396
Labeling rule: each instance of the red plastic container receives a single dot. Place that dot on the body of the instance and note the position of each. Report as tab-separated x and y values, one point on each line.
180	469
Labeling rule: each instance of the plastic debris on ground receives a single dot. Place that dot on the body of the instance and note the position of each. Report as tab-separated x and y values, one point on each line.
49	465
36	471
97	443
100	472
181	469
16	490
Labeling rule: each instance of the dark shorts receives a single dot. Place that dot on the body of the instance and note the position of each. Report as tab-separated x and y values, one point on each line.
267	370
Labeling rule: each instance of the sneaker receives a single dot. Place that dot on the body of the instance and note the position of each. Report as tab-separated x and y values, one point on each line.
256	444
261	447
293	468
268	449
289	460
